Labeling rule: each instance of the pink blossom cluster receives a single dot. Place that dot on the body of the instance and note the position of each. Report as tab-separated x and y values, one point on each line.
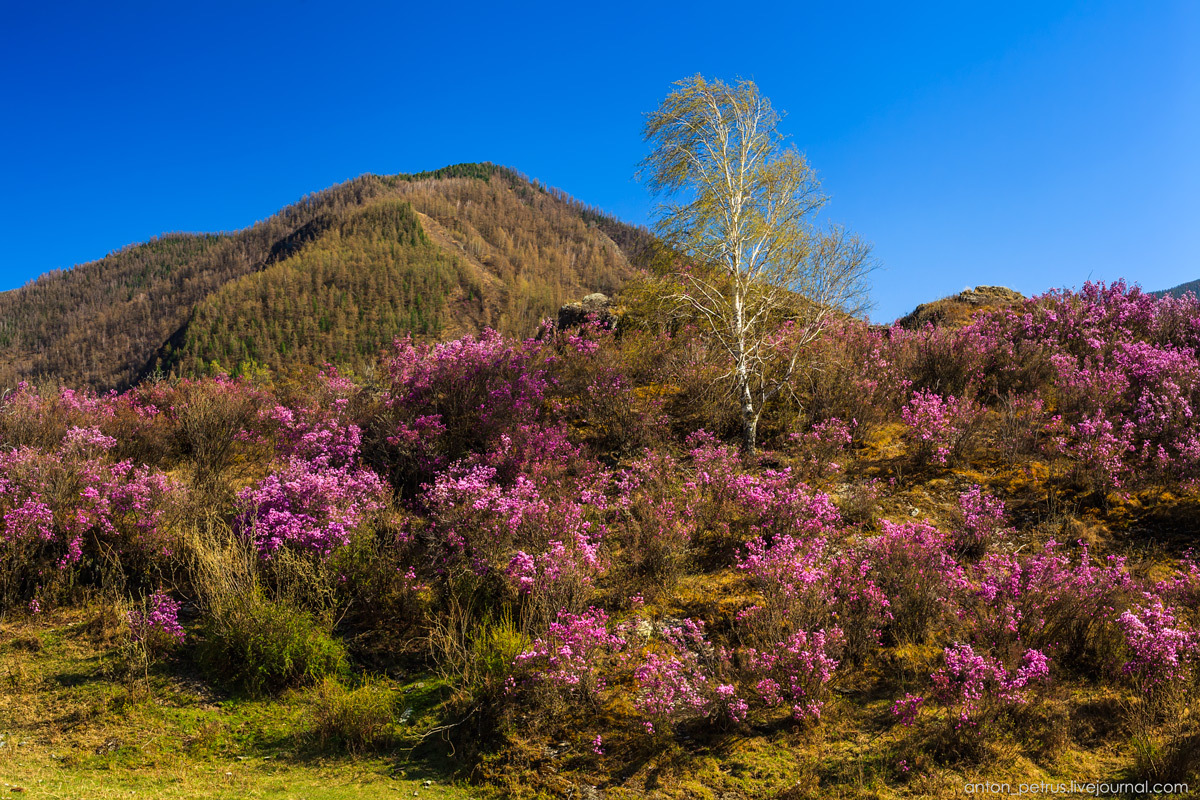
981	521
1045	599
159	618
1121	366
972	683
1160	649
765	501
678	683
825	442
33	418
1183	587
317	494
309	506
572	652
798	670
939	425
457	397
913	567
514	526
319	435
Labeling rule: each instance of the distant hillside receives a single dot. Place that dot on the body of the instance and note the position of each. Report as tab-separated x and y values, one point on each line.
1180	290
958	309
332	278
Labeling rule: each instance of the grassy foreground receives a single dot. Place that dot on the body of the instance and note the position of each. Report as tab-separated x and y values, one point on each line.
74	724
71	725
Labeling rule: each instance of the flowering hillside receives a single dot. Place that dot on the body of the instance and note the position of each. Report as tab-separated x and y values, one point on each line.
964	554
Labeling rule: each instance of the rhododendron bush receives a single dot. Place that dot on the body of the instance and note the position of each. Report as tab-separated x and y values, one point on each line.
308	506
72	506
571	654
317	494
451	399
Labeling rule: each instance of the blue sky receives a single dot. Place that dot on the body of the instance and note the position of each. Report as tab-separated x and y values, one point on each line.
1029	144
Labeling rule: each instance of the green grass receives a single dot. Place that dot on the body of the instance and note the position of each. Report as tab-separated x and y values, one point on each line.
73	725
139	774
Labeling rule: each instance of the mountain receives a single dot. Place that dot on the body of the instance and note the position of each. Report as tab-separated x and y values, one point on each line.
334	277
1180	290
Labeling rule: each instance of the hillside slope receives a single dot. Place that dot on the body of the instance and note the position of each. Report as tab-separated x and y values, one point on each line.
957	310
330	278
1180	290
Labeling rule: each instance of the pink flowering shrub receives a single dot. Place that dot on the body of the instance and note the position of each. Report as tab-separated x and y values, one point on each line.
825	444
1183	587
475	517
598	387
806	585
792	574
859	373
679	679
941	429
316	435
1123	369
979	523
29	418
541	532
1050	602
316	495
156	624
913	568
907	708
797	671
455	398
1096	447
308	506
319	428
671	688
974	686
545	455
776	502
73	505
560	574
1162	651
734	504
571	655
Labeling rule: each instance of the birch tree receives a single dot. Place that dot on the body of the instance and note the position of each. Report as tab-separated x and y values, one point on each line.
738	206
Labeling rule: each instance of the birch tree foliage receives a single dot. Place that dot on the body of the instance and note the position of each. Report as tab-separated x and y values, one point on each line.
738	204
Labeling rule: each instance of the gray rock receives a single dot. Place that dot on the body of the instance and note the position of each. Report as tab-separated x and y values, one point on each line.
596	305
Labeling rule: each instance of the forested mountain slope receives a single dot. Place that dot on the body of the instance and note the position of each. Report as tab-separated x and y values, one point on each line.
330	278
1180	290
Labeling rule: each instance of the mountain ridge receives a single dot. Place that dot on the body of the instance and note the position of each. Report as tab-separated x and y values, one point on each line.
506	252
1180	290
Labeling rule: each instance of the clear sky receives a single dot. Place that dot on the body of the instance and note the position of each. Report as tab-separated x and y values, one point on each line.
1028	144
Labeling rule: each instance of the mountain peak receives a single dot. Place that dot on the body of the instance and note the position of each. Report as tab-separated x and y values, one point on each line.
333	277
